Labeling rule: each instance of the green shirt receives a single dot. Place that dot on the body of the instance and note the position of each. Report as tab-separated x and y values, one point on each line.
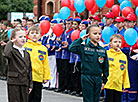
94	59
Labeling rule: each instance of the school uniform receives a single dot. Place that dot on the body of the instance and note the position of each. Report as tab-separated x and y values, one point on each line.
94	62
40	68
118	76
19	77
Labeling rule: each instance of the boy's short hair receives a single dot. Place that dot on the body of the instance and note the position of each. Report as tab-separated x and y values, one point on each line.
34	27
115	36
93	25
13	33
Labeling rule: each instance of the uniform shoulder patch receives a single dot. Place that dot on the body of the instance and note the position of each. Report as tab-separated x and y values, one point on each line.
41	57
121	61
122	66
29	49
42	52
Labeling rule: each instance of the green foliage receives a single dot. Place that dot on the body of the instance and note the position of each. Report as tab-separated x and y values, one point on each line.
8	6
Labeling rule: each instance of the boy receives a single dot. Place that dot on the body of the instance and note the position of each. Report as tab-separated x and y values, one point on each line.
94	62
40	65
118	73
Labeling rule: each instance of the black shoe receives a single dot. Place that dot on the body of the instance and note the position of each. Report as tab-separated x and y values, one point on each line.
65	91
73	93
51	89
78	95
69	91
58	90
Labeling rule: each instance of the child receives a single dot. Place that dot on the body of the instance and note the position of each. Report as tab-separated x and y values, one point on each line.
40	64
94	62
19	71
118	73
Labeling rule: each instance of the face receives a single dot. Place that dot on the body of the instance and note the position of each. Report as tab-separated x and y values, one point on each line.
129	24
34	35
4	27
20	38
29	24
95	34
93	21
24	22
82	26
75	25
120	24
108	21
19	26
116	44
68	25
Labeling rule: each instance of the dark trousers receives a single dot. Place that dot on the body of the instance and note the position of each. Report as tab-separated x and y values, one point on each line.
113	96
18	93
36	93
91	86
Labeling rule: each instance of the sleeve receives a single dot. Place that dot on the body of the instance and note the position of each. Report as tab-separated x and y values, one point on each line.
126	83
30	73
75	47
7	49
46	68
105	69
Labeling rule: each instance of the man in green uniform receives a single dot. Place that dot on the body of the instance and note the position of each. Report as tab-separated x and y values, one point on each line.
94	63
3	61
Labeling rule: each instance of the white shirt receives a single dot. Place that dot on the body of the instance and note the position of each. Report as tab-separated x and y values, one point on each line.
19	49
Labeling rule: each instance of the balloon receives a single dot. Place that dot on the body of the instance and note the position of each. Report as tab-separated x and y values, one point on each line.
107	33
136	11
58	20
125	4
100	3
56	15
44	26
89	4
94	9
79	6
75	35
130	36
72	5
9	33
135	2
83	32
88	40
109	3
57	29
116	10
65	3
126	11
120	1
64	13
104	20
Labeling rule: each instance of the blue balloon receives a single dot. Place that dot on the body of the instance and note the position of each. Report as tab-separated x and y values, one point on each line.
88	40
107	33
82	33
58	20
100	3
79	5
64	13
125	4
130	36
56	15
9	33
136	11
104	20
120	1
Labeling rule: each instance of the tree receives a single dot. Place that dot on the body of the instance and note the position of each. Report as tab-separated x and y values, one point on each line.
8	6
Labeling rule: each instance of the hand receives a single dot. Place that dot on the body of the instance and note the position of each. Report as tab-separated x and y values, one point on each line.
58	49
13	40
53	48
134	57
30	89
84	37
102	87
48	45
45	81
65	43
136	50
58	39
2	43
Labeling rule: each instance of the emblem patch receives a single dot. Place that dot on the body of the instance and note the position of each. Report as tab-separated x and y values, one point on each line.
122	66
101	59
41	57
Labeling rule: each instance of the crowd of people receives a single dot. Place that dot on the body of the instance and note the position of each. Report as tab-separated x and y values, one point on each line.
74	67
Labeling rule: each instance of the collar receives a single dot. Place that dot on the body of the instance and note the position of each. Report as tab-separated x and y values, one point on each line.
35	43
69	30
18	48
92	45
113	51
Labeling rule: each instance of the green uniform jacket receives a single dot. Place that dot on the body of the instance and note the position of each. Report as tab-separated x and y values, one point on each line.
94	59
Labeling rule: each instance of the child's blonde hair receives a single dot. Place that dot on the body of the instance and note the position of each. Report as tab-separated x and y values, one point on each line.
91	26
34	27
13	33
115	36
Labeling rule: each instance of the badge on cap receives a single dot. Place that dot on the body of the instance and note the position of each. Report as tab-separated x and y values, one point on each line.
101	59
122	66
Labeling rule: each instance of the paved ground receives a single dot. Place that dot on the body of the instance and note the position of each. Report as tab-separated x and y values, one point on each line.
48	96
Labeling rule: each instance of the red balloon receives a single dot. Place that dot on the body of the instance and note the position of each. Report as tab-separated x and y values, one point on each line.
72	5
116	10
94	9
44	26
75	35
89	4
109	3
57	29
65	3
126	11
135	2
